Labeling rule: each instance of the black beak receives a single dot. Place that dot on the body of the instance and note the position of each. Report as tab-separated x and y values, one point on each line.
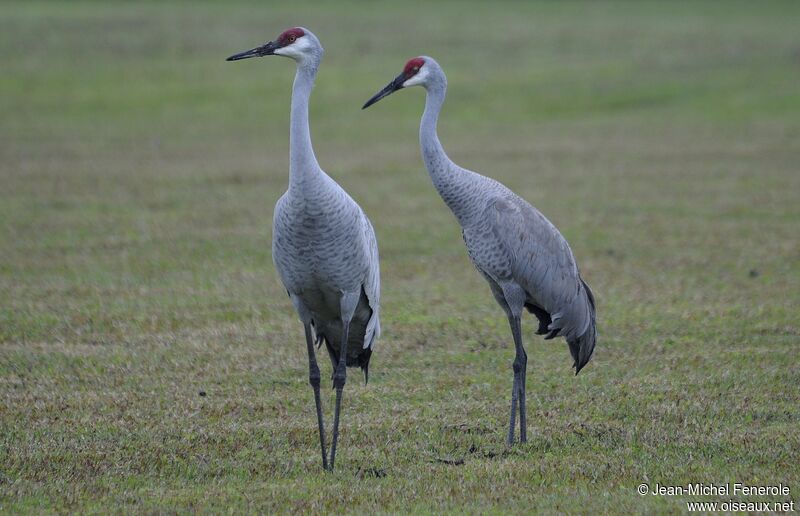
396	84
268	49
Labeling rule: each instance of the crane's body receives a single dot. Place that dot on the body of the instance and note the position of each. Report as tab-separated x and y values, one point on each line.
524	258
323	244
515	247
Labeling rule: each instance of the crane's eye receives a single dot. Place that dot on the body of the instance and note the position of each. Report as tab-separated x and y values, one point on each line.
415	69
292	38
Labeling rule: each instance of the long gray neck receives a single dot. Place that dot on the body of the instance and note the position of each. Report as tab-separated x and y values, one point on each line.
451	181
303	165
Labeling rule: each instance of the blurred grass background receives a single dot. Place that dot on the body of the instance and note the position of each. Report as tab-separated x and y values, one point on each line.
139	172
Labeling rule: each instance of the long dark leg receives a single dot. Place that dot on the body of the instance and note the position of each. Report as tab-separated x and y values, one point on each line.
339	379
514	398
520	367
523	415
314	380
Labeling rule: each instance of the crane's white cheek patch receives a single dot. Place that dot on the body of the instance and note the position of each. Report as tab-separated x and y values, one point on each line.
419	78
296	49
288	52
412	82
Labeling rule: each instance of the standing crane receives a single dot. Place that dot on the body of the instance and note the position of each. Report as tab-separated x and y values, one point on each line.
323	244
526	261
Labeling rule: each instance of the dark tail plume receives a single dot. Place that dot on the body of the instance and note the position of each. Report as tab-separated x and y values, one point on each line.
582	347
363	361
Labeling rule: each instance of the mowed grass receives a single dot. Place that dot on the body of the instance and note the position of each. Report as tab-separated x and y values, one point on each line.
151	361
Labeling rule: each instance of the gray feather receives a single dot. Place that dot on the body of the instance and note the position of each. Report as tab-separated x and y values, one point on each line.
323	245
510	242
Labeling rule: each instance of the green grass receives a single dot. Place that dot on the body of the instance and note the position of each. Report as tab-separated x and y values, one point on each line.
139	171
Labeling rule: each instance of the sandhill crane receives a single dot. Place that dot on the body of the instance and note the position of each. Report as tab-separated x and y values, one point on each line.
323	244
526	261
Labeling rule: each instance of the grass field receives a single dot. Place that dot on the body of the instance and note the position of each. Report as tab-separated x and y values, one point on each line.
150	360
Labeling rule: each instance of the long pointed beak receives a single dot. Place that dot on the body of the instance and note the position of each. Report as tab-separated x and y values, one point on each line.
396	84
267	49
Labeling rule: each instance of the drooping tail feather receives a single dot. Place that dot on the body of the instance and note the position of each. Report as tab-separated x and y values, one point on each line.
363	362
582	347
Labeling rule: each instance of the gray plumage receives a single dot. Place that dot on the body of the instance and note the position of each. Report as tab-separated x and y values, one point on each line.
326	254
323	245
526	261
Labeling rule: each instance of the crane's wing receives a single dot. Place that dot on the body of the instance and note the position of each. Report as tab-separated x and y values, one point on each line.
372	283
541	261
